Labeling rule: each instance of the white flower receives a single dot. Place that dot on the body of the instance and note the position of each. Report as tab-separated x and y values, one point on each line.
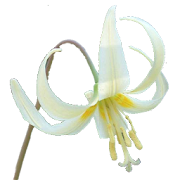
110	99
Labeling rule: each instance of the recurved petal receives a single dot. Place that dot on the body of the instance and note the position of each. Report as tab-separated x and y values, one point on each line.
158	48
25	106
161	83
113	73
53	105
72	126
30	114
132	105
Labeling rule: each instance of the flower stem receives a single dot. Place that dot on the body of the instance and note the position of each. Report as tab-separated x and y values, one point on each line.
24	147
83	51
30	128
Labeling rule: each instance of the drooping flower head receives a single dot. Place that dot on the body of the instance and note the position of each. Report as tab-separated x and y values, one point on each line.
110	100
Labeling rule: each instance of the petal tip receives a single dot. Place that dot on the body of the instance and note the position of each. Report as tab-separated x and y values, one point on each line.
13	82
111	11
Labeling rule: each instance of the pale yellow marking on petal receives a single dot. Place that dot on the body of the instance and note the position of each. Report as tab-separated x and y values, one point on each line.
126	138
88	112
110	119
101	110
123	100
112	150
135	139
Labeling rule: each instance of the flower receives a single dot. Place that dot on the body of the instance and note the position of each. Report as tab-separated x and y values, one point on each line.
109	101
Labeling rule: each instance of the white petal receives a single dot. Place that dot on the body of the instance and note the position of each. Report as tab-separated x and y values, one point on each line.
30	114
101	125
161	82
53	105
113	73
137	106
158	48
72	126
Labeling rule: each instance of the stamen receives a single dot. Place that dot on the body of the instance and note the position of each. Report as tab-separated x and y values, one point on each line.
111	134
130	122
126	138
113	104
135	140
112	151
107	116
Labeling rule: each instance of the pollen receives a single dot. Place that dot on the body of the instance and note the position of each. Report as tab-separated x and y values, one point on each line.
135	139
112	151
88	112
123	101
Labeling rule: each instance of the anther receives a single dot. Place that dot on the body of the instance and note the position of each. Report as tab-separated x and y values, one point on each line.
130	122
126	138
112	151
135	140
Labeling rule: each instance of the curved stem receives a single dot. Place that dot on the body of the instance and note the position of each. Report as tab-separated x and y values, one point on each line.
81	48
30	127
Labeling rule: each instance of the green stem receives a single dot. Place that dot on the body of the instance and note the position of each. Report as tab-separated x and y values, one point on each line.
30	128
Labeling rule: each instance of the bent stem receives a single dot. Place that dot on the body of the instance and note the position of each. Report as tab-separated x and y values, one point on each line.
30	127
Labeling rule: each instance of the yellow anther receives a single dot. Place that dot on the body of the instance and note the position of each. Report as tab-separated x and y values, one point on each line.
126	138
112	151
135	140
130	122
111	134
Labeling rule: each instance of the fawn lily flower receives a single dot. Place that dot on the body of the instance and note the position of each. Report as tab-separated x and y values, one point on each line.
110	99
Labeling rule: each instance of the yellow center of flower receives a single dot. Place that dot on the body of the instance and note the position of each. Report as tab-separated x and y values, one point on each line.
88	112
101	110
116	126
